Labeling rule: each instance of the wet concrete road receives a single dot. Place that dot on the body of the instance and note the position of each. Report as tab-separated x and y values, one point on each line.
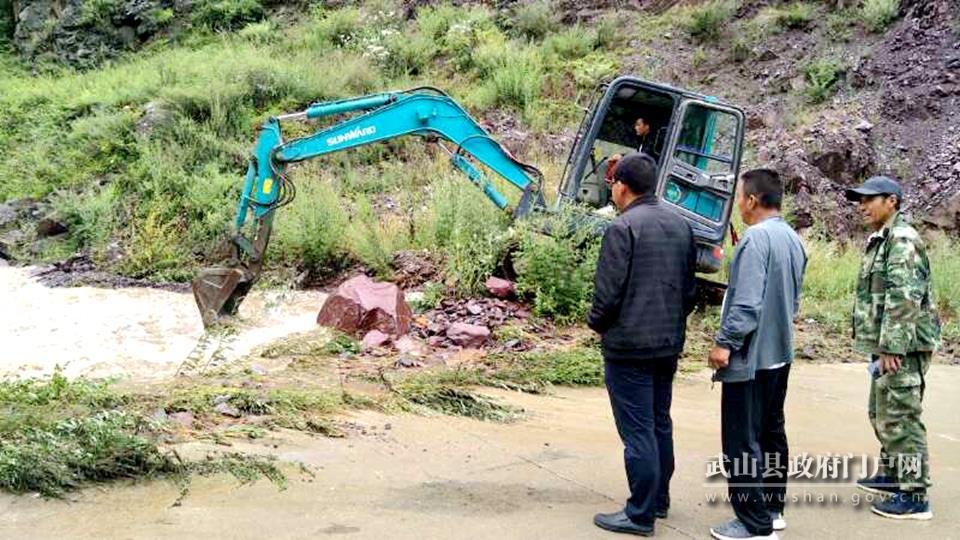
544	477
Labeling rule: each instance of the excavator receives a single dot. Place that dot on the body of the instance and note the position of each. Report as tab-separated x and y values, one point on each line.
697	141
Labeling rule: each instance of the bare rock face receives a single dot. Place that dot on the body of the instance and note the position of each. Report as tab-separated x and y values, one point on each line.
362	304
468	335
843	153
947	216
501	288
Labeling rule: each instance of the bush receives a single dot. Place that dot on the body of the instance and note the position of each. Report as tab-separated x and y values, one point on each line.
513	76
590	70
536	19
339	28
794	16
740	50
435	21
822	76
6	22
558	272
226	15
154	248
878	14
707	21
610	32
310	232
945	266
261	32
91	217
408	53
98	12
373	240
575	42
467	230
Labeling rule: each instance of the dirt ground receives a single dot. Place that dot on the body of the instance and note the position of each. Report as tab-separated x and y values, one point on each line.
544	477
430	477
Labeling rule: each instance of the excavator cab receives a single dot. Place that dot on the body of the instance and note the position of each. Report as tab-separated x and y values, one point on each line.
696	140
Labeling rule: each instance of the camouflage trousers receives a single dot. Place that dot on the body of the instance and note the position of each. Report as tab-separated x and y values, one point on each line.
896	402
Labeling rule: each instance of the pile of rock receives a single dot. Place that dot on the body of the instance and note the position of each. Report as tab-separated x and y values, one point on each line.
466	323
379	313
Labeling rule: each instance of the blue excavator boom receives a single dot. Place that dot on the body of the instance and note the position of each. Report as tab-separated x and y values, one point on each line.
424	112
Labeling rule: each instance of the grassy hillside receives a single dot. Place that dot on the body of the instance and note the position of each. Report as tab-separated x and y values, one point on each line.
142	157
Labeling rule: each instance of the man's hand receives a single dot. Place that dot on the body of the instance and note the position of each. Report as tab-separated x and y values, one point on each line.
719	357
889	363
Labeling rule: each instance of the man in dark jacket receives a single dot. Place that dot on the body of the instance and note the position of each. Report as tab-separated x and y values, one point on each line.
645	288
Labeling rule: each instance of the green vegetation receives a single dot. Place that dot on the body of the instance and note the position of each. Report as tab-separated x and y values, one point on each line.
537	370
6	22
707	21
467	229
878	14
822	76
557	271
144	157
794	16
224	15
534	20
57	435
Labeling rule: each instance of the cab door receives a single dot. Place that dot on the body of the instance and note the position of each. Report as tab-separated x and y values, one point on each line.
699	171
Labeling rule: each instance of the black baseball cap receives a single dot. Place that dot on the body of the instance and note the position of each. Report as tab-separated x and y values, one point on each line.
877	185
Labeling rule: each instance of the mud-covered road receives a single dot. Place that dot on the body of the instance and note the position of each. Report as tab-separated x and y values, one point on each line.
409	477
432	477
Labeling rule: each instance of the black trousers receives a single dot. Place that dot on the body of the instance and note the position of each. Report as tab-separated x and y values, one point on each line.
755	447
640	395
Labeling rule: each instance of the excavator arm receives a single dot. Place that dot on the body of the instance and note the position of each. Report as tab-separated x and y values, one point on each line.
424	112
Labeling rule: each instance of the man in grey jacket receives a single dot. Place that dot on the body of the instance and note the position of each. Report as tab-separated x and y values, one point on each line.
752	356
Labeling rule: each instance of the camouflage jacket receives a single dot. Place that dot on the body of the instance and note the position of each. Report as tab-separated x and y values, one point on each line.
895	312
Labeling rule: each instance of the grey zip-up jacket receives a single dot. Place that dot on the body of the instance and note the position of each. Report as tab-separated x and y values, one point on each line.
766	277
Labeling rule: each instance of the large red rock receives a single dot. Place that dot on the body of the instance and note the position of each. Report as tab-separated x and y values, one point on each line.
468	335
361	304
501	288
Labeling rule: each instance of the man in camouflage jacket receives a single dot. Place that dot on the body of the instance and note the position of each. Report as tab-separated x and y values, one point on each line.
895	322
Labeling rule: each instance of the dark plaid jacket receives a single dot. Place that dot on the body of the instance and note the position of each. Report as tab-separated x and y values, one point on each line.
645	283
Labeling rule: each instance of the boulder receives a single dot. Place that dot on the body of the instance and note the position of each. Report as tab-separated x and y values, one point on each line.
49	226
8	214
362	304
408	346
184	419
501	288
155	114
373	339
468	335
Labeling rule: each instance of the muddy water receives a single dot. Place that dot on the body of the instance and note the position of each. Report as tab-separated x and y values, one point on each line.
142	334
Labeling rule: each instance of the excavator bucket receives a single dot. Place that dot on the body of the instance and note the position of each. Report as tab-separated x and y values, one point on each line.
218	291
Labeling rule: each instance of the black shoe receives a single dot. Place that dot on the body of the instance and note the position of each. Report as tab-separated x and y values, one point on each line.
619	522
661	514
